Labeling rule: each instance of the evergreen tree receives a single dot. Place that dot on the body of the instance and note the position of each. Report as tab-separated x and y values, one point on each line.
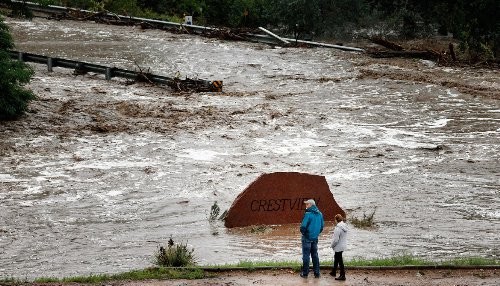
13	75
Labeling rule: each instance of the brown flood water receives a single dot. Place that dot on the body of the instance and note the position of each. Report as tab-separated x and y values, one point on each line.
100	173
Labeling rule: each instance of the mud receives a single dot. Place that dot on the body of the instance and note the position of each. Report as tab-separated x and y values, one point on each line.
354	277
437	277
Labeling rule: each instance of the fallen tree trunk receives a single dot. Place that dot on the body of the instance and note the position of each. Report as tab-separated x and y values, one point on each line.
425	55
385	43
275	36
398	51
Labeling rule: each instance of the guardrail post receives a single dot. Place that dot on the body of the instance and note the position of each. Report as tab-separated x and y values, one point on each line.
49	64
21	57
109	73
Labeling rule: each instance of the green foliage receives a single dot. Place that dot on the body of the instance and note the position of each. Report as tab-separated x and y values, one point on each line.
399	260
255	264
471	261
174	7
474	23
122	7
6	41
249	13
403	259
175	255
408	259
97	5
135	275
14	74
300	17
19	9
342	17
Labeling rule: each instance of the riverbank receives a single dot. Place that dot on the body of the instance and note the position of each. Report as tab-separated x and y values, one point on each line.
416	276
354	277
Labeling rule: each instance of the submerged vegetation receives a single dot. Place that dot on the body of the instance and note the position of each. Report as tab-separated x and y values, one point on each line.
214	212
366	222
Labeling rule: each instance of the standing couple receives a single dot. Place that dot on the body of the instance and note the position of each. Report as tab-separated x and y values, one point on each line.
311	227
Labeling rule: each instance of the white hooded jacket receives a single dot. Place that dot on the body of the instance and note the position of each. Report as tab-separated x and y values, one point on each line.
339	242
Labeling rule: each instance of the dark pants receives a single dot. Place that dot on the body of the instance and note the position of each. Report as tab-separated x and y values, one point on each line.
310	248
338	261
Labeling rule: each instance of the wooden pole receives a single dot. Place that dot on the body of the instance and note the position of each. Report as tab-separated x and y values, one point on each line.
274	36
344	48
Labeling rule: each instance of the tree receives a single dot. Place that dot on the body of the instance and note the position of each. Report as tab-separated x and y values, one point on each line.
218	12
476	24
14	98
301	16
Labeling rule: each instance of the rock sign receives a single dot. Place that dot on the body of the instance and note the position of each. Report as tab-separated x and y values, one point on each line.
278	198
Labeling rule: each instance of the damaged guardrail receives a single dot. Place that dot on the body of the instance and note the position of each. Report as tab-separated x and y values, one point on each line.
59	12
197	85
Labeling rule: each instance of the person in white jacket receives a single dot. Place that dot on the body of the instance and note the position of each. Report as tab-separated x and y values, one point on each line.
339	245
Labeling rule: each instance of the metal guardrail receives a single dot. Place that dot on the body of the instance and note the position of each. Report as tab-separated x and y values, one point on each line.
110	72
200	30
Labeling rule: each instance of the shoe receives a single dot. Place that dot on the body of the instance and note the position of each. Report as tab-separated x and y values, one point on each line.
333	273
340	278
302	275
317	275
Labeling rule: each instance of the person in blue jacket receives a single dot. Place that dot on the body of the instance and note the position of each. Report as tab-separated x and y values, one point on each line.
311	226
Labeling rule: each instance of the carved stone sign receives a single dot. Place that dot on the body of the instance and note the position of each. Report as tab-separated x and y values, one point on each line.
278	198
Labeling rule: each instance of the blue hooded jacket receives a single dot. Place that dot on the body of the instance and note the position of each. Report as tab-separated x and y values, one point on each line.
312	223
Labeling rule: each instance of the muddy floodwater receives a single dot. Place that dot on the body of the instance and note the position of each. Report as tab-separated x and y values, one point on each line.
99	173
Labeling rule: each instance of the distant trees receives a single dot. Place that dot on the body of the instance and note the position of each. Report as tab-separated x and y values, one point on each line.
475	23
13	75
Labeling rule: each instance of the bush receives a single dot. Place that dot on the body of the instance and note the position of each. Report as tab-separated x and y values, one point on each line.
175	255
365	222
14	74
214	212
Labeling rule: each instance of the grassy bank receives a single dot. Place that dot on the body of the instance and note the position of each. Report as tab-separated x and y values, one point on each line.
200	272
159	273
400	260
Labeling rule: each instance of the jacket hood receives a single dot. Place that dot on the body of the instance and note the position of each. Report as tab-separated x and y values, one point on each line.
312	209
343	226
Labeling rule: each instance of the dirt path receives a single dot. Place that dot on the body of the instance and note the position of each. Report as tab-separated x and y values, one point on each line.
354	277
414	277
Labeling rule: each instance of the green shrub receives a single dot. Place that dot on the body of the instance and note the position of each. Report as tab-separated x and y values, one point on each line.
175	255
14	74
